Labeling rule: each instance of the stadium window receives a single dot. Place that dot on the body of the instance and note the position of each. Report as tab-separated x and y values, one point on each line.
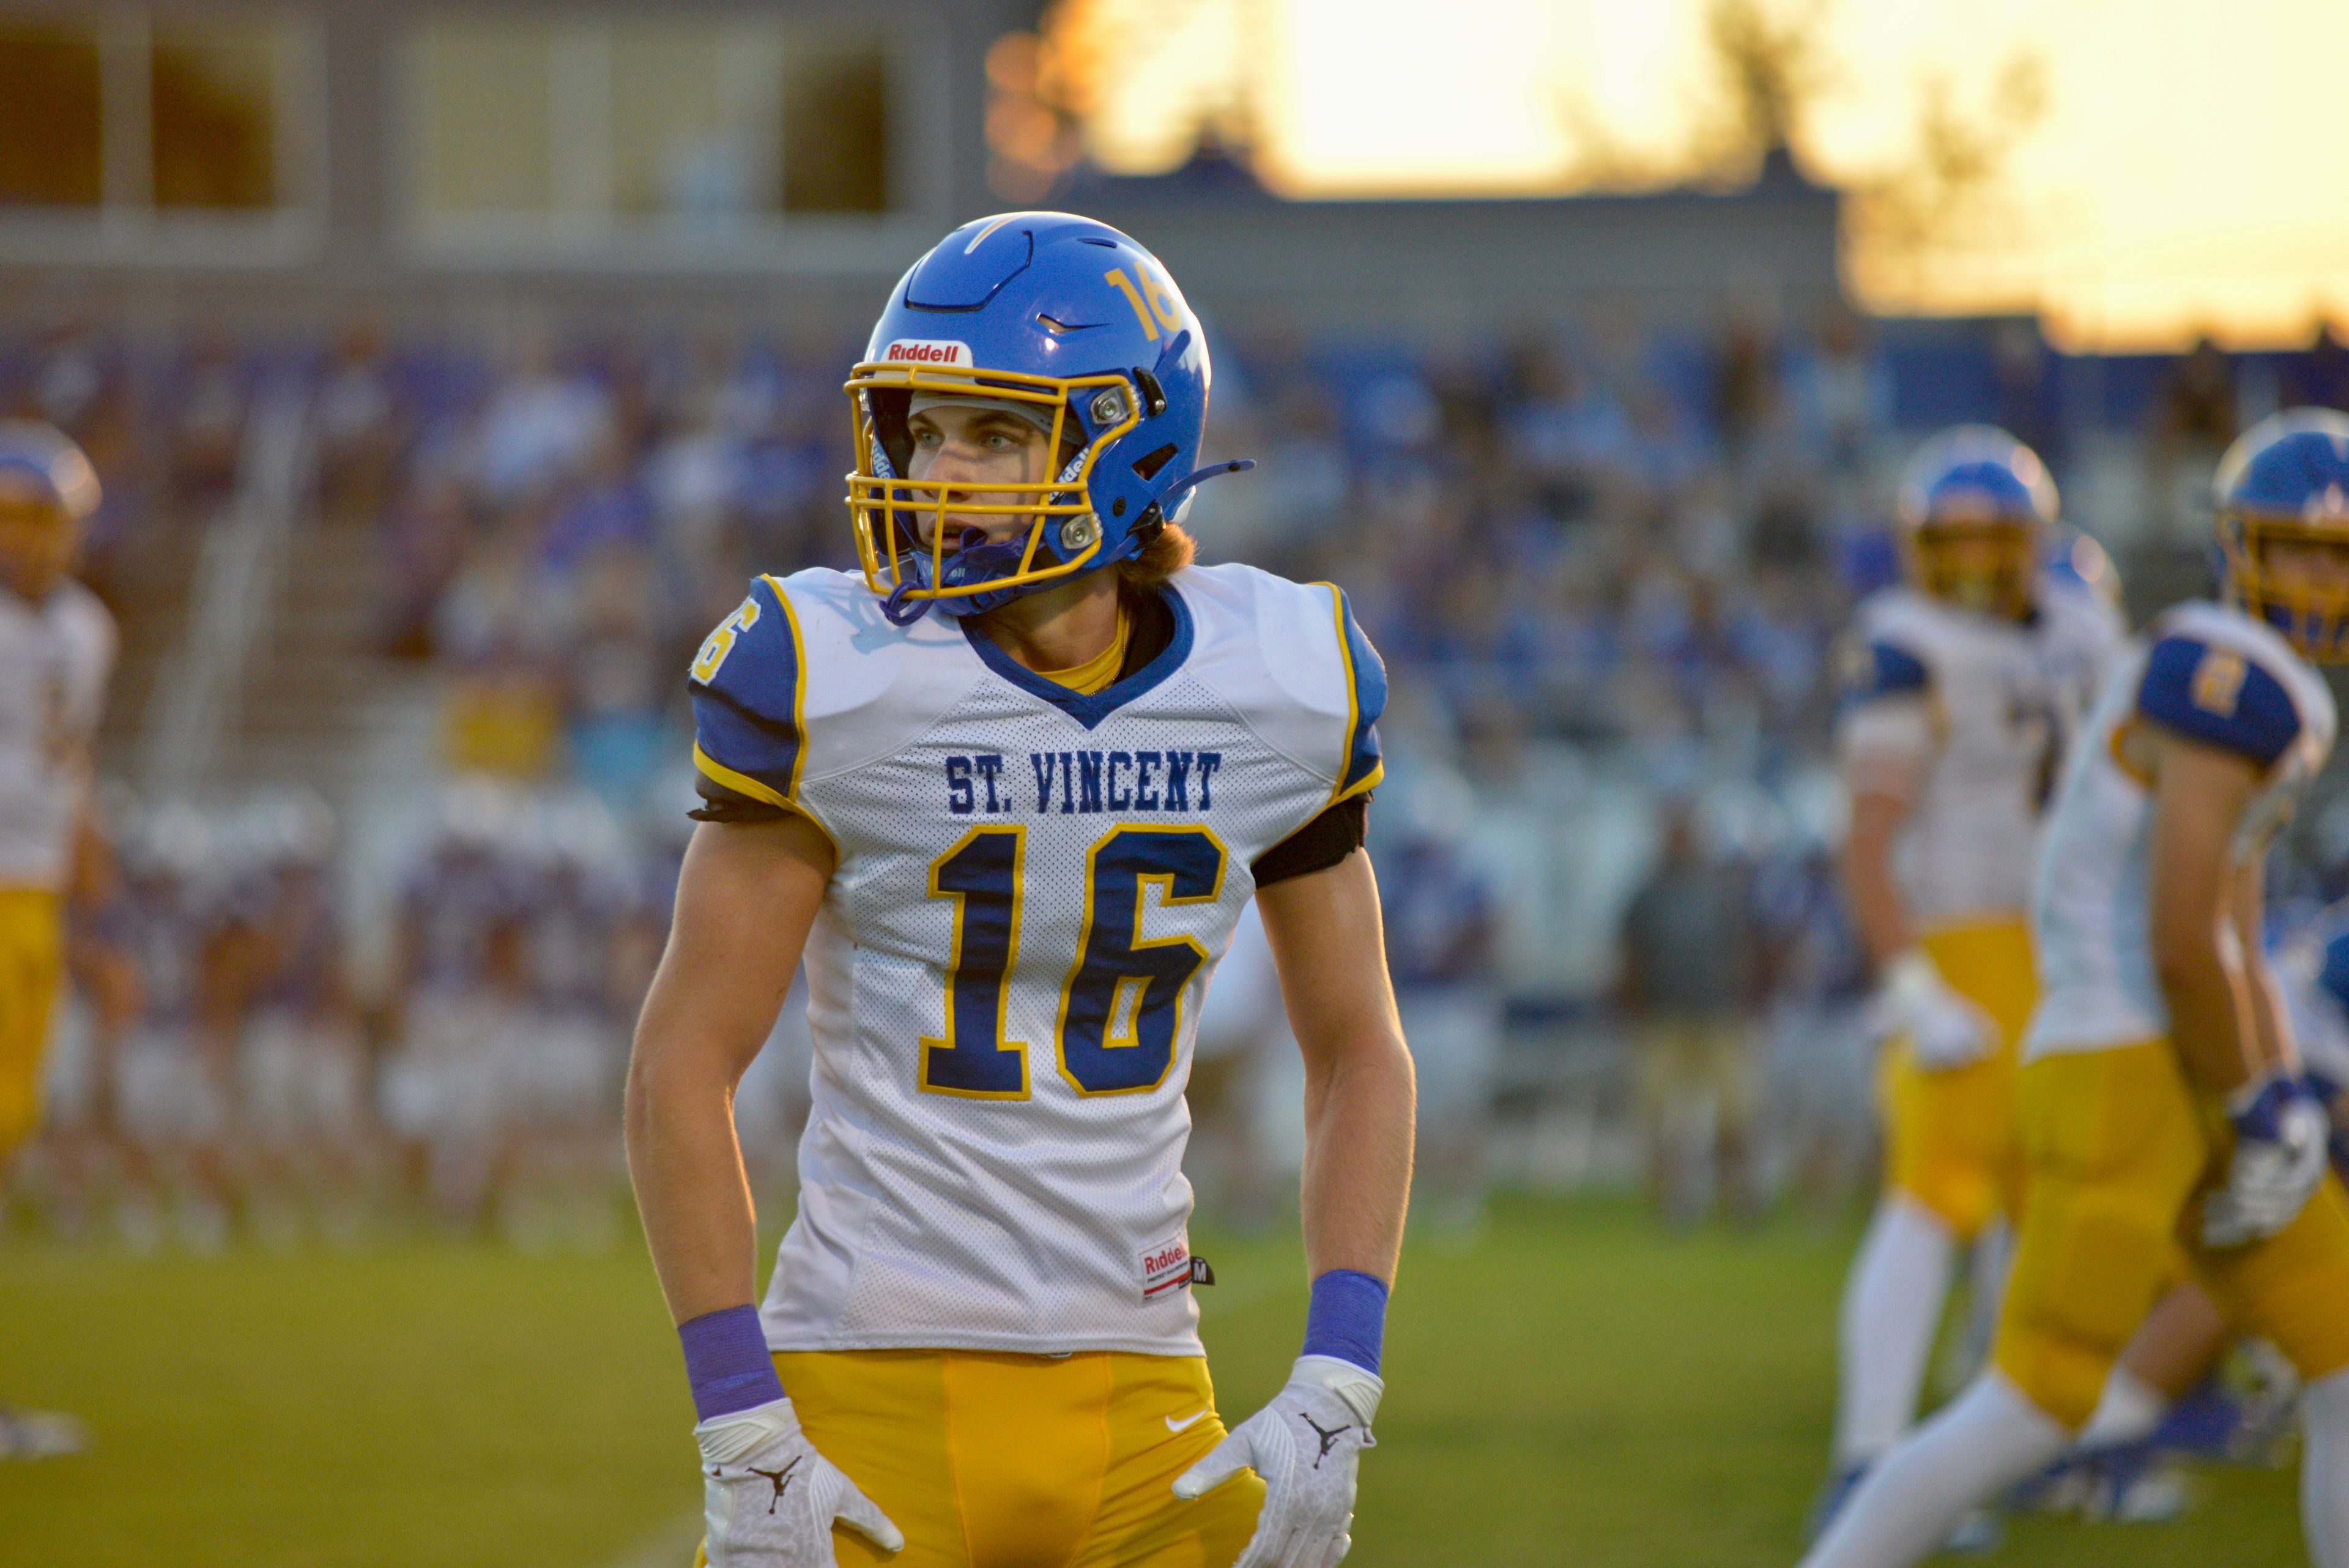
571	133
52	121
160	138
836	131
213	123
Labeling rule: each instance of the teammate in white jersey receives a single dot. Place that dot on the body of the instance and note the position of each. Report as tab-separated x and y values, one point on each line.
1008	790
57	649
2166	1128
1967	681
2315	975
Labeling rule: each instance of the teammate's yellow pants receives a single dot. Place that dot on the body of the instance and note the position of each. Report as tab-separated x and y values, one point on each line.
2120	1148
1950	1140
32	965
1024	1461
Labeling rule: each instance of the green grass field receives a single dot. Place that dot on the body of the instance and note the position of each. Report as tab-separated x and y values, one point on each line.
1571	1388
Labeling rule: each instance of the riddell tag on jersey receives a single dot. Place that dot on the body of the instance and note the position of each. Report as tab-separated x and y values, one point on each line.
1165	1267
927	351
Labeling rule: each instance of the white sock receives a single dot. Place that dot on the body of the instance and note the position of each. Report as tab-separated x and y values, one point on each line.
1891	1307
1988	1438
2131	1408
2324	1470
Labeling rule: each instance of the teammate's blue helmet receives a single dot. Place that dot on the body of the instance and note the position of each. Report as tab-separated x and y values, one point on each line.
46	489
2286	481
1050	313
40	467
1975	509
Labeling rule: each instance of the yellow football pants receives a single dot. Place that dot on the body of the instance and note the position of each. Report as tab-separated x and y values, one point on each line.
32	966
1950	1140
988	1461
2119	1146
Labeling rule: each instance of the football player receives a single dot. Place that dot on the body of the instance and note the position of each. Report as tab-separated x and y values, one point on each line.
2315	973
1967	681
57	649
1007	788
2165	1123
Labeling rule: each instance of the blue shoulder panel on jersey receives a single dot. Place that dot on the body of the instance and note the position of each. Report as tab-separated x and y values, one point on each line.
750	700
1089	710
1888	671
1366	698
2217	696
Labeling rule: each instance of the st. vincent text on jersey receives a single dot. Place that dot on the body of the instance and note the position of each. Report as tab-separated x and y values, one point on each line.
1082	784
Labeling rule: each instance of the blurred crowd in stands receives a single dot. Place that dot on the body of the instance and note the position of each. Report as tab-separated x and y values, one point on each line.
1606	569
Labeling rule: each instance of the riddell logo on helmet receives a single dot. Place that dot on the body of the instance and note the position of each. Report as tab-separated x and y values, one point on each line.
927	351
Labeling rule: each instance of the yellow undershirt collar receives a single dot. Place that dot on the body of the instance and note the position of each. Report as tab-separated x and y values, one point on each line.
1097	672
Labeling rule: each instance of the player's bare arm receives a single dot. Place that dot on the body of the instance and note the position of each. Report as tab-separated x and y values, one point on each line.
1326	938
1326	941
1884	793
745	899
2269	1046
746	896
2200	795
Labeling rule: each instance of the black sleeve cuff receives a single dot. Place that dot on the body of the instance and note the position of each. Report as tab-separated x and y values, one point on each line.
719	804
1318	846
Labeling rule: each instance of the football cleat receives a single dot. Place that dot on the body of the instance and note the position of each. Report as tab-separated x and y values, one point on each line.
2284	526
1976	507
1070	325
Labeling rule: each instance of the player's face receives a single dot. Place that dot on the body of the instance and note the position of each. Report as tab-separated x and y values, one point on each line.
37	541
1984	566
2317	567
977	446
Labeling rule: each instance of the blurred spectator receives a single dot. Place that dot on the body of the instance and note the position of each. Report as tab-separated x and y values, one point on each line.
1442	934
1690	974
359	439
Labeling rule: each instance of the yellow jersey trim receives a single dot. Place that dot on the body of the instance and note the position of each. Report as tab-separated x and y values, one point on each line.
799	684
740	784
1339	790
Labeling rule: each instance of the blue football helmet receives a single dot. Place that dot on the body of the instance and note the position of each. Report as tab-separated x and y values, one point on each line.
39	465
2286	481
1063	315
48	489
1976	508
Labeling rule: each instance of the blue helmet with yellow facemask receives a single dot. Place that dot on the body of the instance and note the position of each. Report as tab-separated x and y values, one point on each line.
1976	509
48	490
1070	325
2285	481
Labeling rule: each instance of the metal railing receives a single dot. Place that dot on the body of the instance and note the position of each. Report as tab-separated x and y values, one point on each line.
199	693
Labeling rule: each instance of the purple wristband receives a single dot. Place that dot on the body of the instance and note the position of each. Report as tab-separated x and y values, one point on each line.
726	1357
1348	1318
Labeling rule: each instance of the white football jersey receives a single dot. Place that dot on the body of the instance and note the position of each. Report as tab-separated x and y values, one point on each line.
2216	675
55	657
2320	1019
1004	980
1986	708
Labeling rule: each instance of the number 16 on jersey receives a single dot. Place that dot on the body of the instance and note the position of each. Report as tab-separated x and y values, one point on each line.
1119	1015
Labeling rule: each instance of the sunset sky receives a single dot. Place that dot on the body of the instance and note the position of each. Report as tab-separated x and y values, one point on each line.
2178	173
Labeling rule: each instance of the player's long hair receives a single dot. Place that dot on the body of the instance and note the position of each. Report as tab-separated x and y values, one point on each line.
1159	560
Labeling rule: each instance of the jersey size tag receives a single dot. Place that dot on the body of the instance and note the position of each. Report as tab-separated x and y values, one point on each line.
1169	1266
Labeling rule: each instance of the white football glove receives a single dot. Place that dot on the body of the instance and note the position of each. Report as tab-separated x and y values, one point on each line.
1945	1030
769	1499
1305	1445
2280	1157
